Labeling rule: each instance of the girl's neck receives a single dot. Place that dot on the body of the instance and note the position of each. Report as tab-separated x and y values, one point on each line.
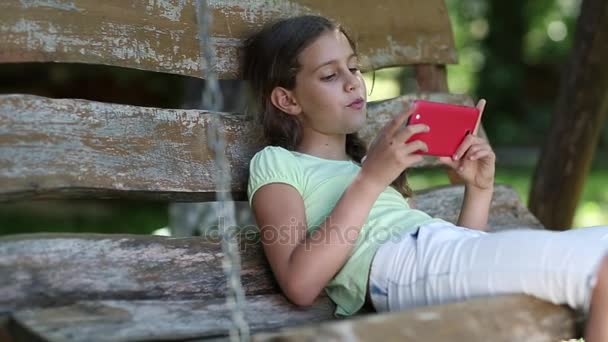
324	146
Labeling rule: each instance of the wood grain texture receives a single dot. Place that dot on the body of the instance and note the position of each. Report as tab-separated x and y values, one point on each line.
67	148
161	35
505	318
139	320
506	209
508	318
56	269
59	269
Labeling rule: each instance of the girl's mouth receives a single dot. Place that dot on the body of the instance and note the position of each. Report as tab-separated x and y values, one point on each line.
357	104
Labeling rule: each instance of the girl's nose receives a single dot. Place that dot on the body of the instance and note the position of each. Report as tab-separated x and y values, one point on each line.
352	82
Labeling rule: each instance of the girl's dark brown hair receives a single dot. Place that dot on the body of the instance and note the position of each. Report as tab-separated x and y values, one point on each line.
270	59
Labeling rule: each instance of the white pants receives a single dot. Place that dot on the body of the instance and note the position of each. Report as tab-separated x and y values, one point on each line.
441	263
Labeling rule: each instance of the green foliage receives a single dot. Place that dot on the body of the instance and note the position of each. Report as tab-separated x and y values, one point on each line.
79	216
512	53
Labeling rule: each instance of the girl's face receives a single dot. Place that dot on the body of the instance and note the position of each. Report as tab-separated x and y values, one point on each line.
330	89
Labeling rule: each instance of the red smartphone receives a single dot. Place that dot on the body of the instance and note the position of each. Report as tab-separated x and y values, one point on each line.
449	124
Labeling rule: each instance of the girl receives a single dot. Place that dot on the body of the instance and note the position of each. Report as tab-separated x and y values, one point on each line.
330	221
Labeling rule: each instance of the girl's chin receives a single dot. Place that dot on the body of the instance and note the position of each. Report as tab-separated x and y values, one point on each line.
356	128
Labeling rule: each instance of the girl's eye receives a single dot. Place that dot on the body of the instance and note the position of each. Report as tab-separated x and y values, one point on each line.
332	76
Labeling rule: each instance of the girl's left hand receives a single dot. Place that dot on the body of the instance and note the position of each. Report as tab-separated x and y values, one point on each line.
474	159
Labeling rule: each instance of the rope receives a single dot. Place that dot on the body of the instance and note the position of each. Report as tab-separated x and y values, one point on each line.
231	261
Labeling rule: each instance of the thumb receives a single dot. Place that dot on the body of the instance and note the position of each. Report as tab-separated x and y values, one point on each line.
481	105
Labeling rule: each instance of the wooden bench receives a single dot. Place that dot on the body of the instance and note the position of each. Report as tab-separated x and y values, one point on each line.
124	287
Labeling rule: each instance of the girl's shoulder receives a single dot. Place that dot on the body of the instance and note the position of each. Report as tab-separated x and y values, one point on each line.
274	157
274	152
274	164
271	149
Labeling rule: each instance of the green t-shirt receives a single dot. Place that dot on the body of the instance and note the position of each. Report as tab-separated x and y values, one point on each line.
321	183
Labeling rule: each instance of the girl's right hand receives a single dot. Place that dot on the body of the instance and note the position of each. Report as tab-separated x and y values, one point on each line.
388	154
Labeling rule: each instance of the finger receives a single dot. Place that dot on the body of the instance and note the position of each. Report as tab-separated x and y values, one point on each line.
471	151
409	131
475	147
414	159
462	149
479	155
484	154
414	146
398	120
481	105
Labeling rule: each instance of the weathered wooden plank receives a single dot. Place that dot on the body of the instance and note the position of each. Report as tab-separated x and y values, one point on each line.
162	320
506	211
508	318
161	35
58	269
66	148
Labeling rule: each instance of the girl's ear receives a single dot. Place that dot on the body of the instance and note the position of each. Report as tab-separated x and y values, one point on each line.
284	100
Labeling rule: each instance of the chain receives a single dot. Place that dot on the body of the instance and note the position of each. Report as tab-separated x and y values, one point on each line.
231	262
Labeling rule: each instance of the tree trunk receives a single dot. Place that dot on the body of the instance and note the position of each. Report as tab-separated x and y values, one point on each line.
581	111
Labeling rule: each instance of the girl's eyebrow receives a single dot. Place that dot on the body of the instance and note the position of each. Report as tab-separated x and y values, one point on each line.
333	61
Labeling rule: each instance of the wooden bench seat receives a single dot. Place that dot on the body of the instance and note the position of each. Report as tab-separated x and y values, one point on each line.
65	286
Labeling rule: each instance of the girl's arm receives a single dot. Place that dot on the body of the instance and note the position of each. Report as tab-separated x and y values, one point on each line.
303	266
474	162
475	208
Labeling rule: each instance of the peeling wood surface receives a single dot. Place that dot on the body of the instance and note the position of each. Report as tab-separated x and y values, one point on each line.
56	269
157	320
68	148
506	209
508	318
71	148
59	269
161	35
505	318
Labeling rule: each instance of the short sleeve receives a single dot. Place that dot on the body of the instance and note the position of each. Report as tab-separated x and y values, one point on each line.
273	164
